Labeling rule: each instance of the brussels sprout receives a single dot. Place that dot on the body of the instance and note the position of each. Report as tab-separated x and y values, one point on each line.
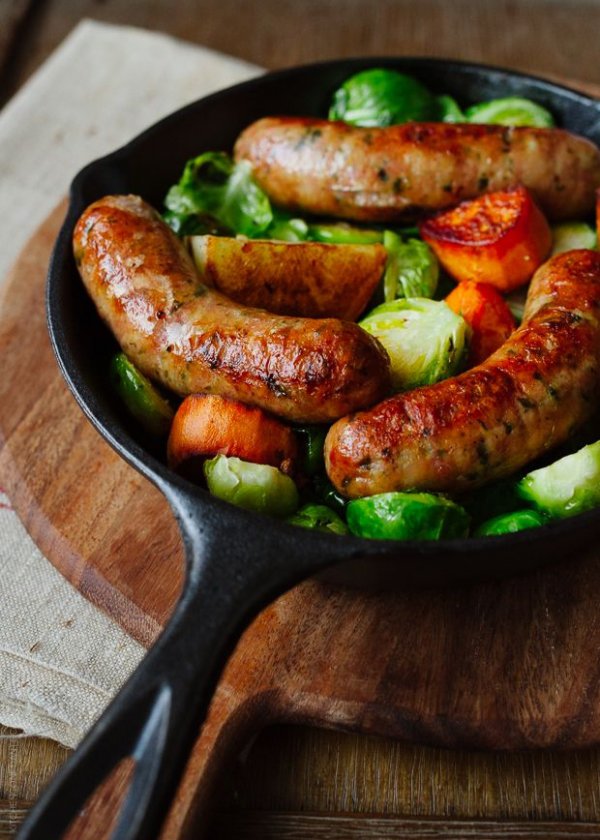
314	439
341	233
449	110
256	487
425	340
141	398
510	523
381	97
510	110
213	186
569	486
318	518
412	268
570	235
407	516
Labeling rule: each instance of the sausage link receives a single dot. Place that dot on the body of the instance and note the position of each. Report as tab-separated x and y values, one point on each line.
526	398
193	339
386	174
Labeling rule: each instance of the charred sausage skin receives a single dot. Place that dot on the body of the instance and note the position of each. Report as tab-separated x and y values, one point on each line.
193	339
529	396
386	174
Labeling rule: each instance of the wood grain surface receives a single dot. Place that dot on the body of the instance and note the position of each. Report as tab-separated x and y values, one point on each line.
297	781
548	36
509	665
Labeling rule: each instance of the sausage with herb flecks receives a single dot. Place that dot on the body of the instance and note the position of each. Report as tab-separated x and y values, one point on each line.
530	395
193	339
386	174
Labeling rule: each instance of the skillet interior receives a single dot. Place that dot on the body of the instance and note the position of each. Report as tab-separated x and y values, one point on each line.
153	161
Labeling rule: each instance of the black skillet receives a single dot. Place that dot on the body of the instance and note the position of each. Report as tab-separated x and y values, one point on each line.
236	561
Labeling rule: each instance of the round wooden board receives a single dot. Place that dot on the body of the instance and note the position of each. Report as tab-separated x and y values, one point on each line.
502	665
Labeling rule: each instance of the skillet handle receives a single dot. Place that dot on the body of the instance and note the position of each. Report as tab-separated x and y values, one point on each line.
157	715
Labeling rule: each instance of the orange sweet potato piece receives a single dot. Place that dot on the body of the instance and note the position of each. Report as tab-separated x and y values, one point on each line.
500	238
488	315
206	425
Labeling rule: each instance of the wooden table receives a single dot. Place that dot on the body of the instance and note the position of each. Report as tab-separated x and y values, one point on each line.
297	782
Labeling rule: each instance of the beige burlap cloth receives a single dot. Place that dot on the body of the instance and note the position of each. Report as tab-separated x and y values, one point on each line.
61	659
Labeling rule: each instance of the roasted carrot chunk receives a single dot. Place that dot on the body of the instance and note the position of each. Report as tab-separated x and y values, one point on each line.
488	315
206	425
500	238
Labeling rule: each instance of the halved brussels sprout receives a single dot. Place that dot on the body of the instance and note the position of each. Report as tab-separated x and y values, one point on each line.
425	340
569	486
380	97
406	516
412	269
318	518
510	110
256	487
571	235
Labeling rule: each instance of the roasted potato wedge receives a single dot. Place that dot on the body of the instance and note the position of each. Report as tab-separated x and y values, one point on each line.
309	279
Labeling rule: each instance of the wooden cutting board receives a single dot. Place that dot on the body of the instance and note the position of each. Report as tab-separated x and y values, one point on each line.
504	665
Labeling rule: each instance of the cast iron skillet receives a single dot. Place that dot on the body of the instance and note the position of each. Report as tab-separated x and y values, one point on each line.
236	561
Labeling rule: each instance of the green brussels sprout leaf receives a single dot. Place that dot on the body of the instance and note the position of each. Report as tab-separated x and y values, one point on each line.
449	110
141	398
213	186
412	268
569	236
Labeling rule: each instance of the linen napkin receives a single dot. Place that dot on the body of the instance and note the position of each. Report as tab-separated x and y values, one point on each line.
61	659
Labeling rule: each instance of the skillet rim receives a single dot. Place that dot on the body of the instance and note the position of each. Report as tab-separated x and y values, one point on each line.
177	489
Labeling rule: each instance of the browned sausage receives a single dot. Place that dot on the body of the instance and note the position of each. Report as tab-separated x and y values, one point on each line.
193	339
529	396
385	174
